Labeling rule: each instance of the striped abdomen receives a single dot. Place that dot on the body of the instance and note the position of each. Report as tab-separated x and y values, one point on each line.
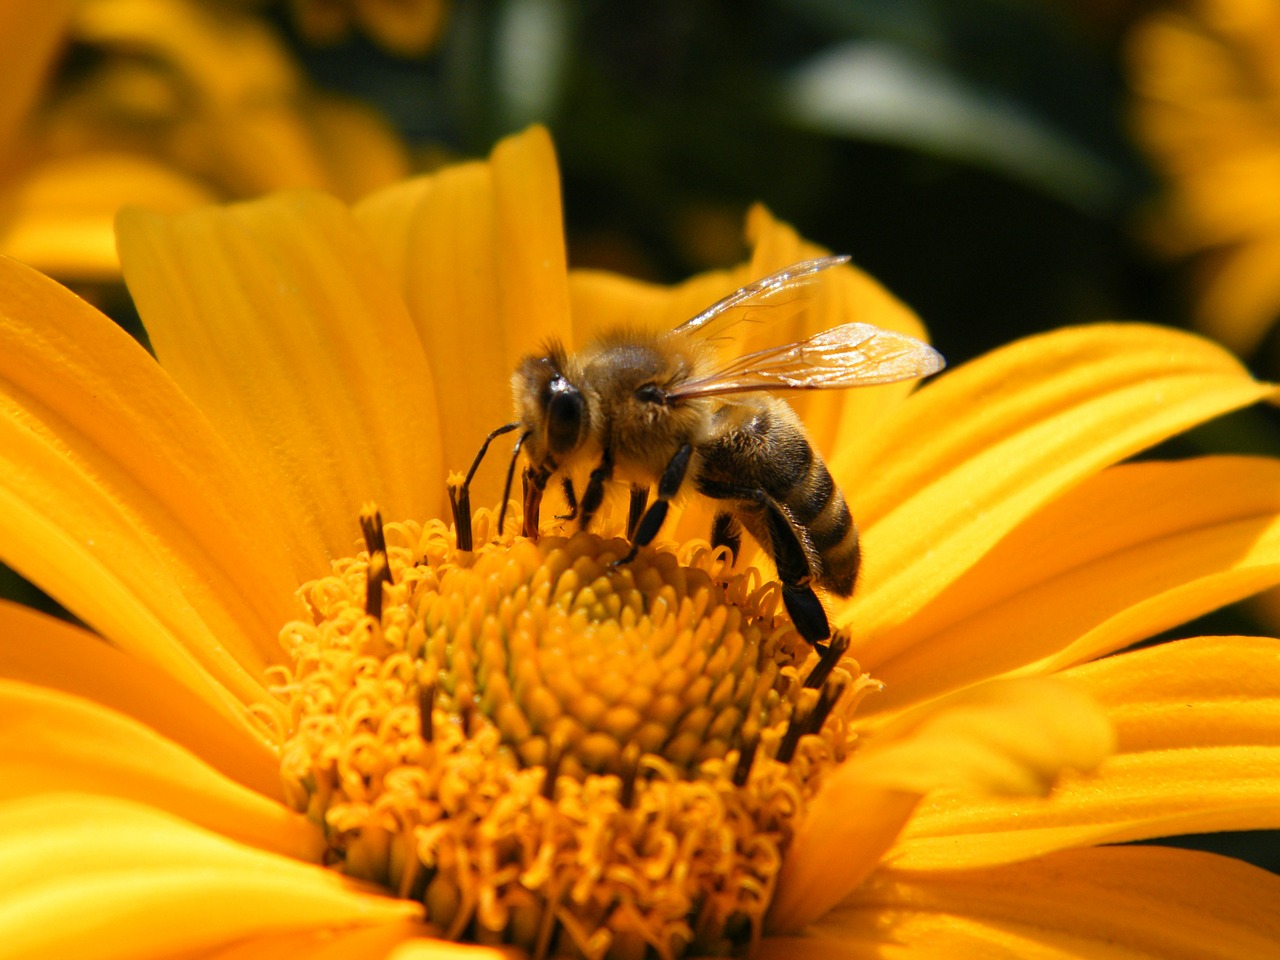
764	447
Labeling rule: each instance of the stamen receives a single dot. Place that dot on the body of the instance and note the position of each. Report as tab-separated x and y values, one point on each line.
460	506
746	757
630	769
379	566
831	692
835	650
426	699
796	728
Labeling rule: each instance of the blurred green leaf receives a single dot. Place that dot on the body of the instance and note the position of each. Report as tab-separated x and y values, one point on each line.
872	90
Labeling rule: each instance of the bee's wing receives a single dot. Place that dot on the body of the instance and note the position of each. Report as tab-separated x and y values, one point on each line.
852	355
760	300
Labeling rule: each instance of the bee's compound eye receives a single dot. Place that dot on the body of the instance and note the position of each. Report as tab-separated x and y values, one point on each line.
564	415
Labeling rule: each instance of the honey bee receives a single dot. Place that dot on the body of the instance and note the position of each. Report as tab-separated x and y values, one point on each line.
665	408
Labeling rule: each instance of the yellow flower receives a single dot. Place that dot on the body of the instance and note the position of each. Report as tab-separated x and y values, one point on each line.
175	103
1207	108
524	746
406	27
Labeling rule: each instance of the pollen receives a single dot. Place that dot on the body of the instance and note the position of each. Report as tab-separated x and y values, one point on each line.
556	752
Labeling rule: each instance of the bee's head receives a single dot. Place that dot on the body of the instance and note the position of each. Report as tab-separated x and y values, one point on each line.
550	403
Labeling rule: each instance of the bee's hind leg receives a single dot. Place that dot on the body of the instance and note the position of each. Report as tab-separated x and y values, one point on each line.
668	484
639	500
726	532
790	555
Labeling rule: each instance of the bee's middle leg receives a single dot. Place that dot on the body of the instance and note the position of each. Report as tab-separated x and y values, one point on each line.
795	570
668	484
571	499
639	500
593	496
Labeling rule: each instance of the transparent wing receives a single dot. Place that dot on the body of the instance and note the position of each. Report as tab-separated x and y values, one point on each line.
852	355
775	297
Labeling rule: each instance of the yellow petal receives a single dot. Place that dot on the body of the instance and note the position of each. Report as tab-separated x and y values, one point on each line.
478	252
395	941
117	498
55	742
276	318
968	457
40	650
1130	552
1239	294
408	29
97	877
1116	903
60	215
1198	692
834	419
1006	737
30	36
1199	750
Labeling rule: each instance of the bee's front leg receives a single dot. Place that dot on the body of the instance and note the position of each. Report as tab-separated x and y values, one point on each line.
535	483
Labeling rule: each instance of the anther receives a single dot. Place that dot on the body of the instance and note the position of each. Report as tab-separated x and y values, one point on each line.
460	505
746	757
796	728
630	769
379	570
426	700
831	692
830	657
555	756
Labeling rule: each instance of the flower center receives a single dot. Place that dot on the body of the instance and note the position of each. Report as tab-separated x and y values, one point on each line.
554	752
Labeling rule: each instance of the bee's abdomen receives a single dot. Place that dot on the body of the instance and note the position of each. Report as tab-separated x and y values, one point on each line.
817	504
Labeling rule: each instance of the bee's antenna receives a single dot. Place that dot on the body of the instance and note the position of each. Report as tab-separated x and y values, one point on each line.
511	472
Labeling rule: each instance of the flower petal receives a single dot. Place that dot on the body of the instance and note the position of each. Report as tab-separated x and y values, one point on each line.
1024	423
105	878
394	941
1130	552
1112	902
1198	723
832	418
117	498
277	319
56	742
478	253
41	650
1006	737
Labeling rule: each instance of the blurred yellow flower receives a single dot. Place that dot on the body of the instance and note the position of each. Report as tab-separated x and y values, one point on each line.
1206	83
406	27
168	103
524	747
